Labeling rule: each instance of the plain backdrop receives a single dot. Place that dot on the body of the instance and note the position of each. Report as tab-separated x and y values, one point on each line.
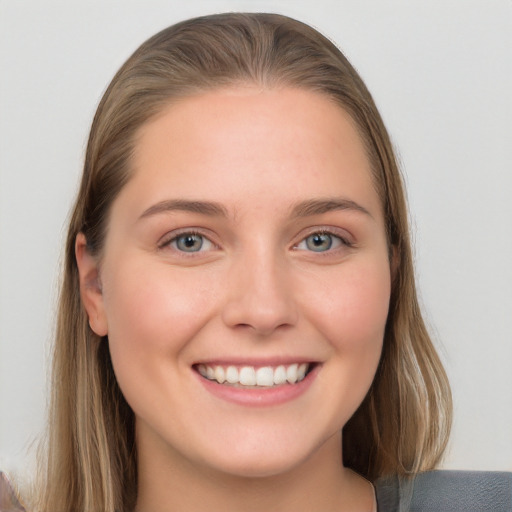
441	74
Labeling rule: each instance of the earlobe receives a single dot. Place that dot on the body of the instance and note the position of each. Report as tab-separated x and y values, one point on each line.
90	286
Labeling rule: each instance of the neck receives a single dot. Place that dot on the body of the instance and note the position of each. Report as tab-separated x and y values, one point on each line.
319	483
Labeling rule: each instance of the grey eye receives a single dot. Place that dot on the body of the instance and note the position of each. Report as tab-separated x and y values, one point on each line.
189	242
319	242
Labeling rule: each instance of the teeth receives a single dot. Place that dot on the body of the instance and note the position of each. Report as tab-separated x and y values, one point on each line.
280	375
232	375
219	374
265	376
291	373
247	376
301	371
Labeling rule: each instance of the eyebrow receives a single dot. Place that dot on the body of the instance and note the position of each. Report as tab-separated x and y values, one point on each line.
303	209
320	206
202	207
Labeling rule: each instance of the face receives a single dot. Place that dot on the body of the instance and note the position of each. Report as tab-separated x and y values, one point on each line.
245	280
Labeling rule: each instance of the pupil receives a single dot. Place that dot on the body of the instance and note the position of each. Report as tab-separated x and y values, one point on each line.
190	242
319	242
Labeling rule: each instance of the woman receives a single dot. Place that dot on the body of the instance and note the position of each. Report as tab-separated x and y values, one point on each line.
238	323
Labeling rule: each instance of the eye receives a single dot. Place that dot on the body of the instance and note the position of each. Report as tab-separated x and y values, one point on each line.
320	242
190	242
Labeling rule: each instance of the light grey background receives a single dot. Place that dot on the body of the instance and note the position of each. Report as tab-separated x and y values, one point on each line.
441	74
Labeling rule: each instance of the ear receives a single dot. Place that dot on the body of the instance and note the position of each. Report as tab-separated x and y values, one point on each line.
90	286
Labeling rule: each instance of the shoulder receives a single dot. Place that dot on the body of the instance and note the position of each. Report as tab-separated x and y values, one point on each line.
8	500
440	491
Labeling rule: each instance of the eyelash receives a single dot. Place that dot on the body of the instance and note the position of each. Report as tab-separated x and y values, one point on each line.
173	238
334	234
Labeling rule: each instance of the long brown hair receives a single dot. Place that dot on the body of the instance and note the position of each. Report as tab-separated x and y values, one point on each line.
402	425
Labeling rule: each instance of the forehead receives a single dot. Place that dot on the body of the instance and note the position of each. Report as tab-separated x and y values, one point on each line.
223	144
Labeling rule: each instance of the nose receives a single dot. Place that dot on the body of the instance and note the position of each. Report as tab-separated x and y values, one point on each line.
260	296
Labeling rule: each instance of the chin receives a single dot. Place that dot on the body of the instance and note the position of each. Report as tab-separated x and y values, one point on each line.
263	458
261	467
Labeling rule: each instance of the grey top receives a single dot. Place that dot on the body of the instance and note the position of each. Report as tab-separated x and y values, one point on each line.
446	491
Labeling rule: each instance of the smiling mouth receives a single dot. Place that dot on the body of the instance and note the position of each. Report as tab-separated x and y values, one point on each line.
255	377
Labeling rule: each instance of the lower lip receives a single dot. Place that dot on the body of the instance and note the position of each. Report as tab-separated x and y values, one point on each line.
260	397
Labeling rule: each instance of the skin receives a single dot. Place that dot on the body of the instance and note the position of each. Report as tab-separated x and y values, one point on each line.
255	290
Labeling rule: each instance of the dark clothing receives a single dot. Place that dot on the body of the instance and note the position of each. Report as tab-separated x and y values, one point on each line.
446	491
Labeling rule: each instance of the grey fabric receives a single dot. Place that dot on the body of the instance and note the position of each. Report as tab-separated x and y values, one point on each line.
447	491
387	494
394	494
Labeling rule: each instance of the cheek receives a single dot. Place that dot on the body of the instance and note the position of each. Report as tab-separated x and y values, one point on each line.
152	314
152	311
353	308
349	306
